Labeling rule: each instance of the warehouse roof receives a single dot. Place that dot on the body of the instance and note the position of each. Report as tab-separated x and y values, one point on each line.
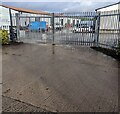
25	10
107	6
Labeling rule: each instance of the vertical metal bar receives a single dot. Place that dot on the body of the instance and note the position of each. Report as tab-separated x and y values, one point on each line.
29	28
113	35
91	26
98	29
53	28
94	25
17	26
67	29
115	27
87	31
40	29
76	38
58	26
118	27
80	34
83	29
61	33
93	30
106	42
104	22
11	26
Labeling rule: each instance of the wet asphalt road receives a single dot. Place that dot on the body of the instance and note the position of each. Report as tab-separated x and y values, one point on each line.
60	78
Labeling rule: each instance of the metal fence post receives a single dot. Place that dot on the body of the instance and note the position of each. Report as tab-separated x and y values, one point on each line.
17	26
53	28
118	30
98	29
11	26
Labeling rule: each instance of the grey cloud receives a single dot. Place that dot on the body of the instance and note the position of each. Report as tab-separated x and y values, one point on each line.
59	6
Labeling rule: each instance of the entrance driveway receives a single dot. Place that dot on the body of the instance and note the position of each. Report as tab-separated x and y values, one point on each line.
60	78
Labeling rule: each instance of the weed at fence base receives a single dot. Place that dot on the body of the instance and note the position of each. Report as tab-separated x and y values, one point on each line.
109	52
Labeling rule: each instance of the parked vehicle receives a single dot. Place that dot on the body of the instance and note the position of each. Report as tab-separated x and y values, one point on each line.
37	26
81	28
58	26
84	26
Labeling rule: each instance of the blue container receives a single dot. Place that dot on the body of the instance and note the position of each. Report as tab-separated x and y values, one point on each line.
37	26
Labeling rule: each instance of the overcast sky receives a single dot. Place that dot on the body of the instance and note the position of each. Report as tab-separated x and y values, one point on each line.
62	6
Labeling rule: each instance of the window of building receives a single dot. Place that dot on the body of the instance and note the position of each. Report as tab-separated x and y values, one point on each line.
73	22
68	21
77	21
51	21
61	21
25	23
37	18
119	18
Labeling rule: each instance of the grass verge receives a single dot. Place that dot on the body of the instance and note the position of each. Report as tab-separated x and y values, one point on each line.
109	52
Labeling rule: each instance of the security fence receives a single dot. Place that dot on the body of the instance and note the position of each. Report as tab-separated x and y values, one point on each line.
75	28
59	28
109	29
71	28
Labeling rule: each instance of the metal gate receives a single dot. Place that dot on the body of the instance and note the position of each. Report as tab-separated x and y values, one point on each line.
78	28
35	28
75	28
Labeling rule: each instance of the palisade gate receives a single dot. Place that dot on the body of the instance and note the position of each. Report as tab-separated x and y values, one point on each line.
70	28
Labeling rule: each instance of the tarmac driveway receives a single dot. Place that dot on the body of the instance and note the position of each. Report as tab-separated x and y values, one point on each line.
60	78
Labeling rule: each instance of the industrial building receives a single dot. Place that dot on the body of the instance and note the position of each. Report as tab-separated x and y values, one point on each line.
109	23
28	16
5	16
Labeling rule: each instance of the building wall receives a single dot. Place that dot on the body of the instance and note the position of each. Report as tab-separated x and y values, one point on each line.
110	8
109	23
5	18
23	22
67	20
